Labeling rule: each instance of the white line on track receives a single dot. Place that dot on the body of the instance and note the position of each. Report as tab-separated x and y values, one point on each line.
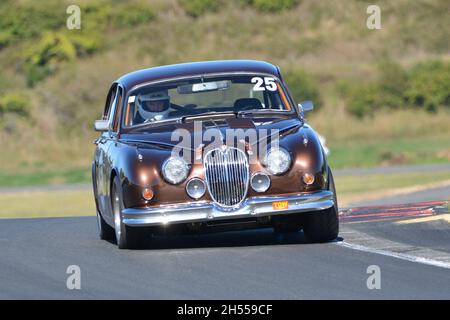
397	255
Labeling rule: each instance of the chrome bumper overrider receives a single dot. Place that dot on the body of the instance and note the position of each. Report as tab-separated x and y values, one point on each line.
205	211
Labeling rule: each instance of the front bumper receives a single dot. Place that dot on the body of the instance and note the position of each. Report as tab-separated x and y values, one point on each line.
205	211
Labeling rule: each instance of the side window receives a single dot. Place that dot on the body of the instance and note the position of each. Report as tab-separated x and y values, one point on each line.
109	102
118	109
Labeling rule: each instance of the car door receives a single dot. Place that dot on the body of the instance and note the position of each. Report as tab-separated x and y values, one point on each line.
101	164
110	146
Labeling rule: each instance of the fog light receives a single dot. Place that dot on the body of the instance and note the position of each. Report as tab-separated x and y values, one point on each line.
147	194
260	182
308	178
195	188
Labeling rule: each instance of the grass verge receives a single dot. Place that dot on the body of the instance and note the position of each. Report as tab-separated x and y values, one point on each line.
367	187
42	204
401	151
45	177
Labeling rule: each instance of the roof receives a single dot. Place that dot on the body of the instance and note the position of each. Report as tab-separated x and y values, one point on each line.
131	79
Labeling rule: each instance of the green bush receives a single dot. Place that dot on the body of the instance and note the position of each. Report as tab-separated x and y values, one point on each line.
362	100
271	6
14	103
392	84
86	42
303	86
133	15
196	8
25	20
5	38
426	85
100	14
35	73
52	47
20	20
42	58
429	85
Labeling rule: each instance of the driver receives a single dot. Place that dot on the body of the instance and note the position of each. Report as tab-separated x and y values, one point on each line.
153	106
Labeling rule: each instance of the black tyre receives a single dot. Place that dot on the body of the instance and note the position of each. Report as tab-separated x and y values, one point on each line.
287	224
126	237
105	231
323	226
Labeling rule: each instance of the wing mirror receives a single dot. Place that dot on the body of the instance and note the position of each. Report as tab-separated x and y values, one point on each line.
306	106
101	125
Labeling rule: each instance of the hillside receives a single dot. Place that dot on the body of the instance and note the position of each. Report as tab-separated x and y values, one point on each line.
54	81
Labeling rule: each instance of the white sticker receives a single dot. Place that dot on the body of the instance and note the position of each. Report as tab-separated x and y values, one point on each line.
131	99
261	85
258	86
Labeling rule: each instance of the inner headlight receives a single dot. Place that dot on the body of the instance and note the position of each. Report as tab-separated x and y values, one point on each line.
195	188
277	161
175	170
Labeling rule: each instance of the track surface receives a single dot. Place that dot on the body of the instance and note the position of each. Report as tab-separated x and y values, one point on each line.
253	264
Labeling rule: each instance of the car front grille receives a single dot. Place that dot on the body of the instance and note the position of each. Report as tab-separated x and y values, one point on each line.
227	175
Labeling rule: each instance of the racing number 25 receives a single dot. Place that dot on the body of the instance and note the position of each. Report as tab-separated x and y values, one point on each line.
263	84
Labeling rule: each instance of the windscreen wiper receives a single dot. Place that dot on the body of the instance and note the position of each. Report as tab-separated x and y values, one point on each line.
259	111
207	114
155	123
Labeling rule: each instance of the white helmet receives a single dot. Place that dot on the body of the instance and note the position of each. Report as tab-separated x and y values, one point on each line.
143	107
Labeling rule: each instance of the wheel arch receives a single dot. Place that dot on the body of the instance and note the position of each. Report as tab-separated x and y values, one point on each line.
94	185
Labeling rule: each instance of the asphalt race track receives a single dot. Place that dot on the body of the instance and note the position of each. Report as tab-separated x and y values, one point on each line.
409	243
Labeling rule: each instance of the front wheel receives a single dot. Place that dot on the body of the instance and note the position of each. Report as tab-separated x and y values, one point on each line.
126	237
104	230
287	224
323	226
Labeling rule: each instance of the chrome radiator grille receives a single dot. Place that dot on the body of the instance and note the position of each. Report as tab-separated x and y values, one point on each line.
227	175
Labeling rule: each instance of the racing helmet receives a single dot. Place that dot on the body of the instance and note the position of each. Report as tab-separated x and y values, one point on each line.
145	100
149	109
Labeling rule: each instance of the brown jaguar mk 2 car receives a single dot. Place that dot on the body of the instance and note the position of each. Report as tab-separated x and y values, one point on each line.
205	145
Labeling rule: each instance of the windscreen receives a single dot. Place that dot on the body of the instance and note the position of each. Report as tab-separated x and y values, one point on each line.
204	95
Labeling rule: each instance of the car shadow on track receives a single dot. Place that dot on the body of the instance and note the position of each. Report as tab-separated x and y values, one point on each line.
244	238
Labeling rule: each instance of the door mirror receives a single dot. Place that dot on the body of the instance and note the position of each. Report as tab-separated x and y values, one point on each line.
101	125
306	106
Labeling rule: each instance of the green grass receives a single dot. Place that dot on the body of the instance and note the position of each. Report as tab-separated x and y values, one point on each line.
63	176
356	185
416	150
47	204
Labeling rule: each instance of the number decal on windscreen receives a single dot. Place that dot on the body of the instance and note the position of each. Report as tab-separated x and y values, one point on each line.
261	84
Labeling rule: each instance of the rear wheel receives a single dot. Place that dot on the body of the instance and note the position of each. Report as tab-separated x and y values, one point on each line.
126	237
323	226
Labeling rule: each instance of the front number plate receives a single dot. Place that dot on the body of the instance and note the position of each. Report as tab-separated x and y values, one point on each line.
280	205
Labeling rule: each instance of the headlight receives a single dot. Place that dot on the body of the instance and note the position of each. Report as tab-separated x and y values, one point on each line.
260	182
277	161
175	170
195	188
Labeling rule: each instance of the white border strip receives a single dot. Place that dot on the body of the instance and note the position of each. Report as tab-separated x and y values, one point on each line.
401	256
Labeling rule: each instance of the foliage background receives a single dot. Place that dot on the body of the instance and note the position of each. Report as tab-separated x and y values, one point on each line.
383	96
